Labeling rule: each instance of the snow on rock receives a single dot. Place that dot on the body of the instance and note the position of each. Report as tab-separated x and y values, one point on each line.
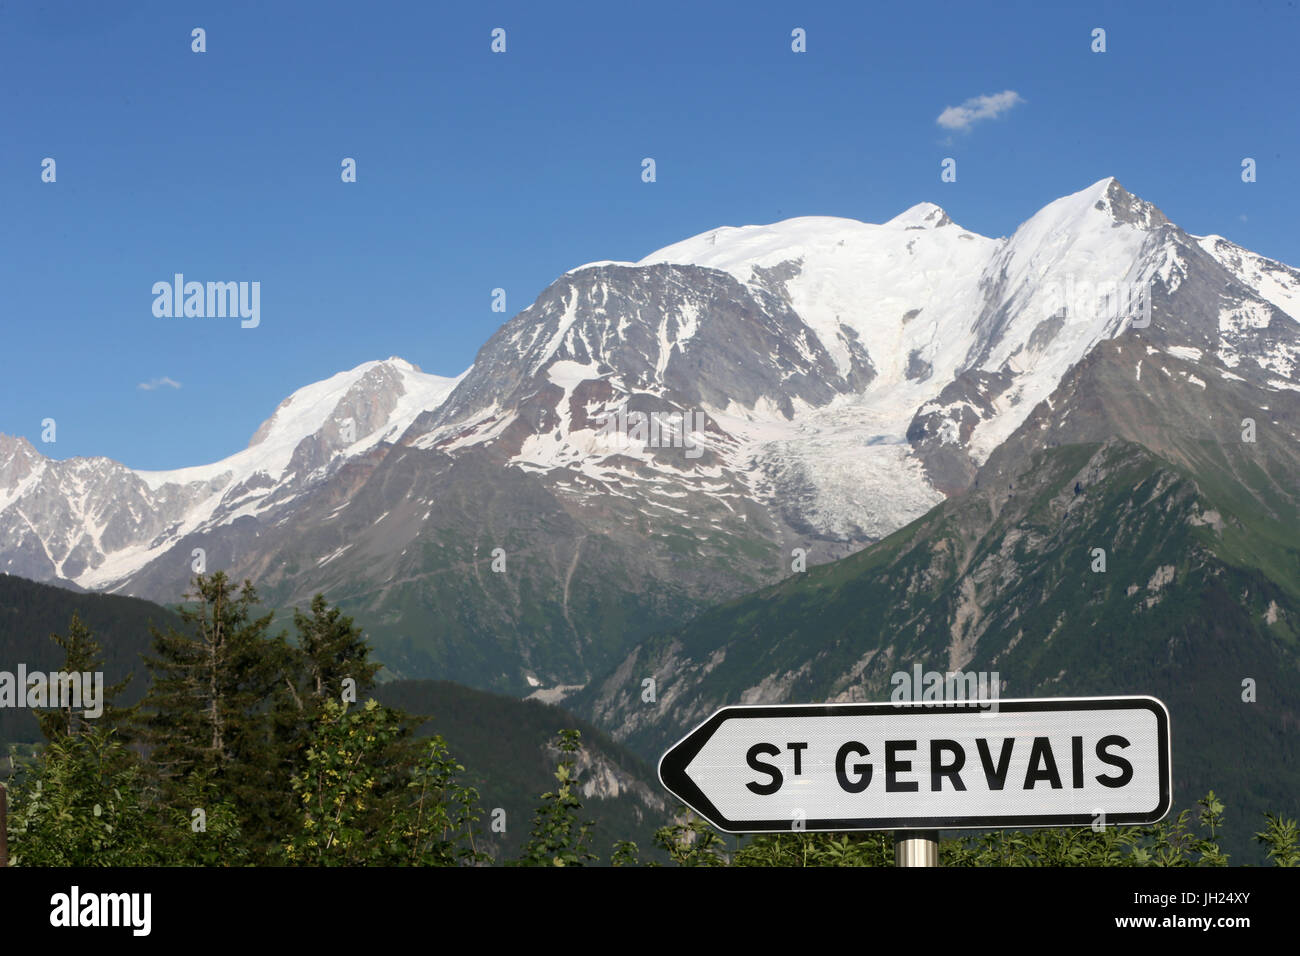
1057	264
1273	281
130	517
900	288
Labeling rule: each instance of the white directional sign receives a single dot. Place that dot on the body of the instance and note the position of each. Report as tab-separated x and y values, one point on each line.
1005	763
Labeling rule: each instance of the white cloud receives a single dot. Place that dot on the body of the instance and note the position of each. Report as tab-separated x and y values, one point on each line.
163	382
988	106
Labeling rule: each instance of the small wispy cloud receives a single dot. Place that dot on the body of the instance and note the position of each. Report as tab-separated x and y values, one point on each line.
163	382
988	106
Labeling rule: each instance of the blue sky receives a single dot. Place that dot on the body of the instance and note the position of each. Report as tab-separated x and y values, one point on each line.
479	170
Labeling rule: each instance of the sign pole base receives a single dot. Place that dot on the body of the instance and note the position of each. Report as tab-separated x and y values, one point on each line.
916	847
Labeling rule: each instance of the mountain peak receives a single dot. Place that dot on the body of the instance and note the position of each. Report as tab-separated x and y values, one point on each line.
1098	208
12	443
390	382
925	215
16	448
1109	197
396	361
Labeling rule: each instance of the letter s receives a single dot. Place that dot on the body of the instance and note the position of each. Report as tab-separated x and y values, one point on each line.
1125	768
771	750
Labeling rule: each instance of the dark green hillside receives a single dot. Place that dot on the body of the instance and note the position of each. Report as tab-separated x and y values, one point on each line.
30	612
504	744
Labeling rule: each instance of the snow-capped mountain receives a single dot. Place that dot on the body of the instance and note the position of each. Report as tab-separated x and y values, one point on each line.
853	374
94	522
821	382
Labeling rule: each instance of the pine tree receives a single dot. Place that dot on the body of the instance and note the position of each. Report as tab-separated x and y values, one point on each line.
331	650
82	654
211	710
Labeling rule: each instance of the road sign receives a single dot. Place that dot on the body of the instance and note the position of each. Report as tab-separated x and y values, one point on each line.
921	765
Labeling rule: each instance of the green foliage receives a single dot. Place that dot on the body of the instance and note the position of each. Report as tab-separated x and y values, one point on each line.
1282	840
437	821
1074	846
83	804
340	796
204	829
818	849
1175	844
236	707
690	841
557	838
625	853
362	802
1169	843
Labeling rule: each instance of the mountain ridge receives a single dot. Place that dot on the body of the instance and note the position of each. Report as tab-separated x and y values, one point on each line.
840	380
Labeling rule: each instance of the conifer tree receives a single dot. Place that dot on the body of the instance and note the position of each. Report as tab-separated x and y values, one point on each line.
210	711
331	649
82	654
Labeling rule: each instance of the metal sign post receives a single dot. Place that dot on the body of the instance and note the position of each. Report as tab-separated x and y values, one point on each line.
916	848
919	767
4	825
